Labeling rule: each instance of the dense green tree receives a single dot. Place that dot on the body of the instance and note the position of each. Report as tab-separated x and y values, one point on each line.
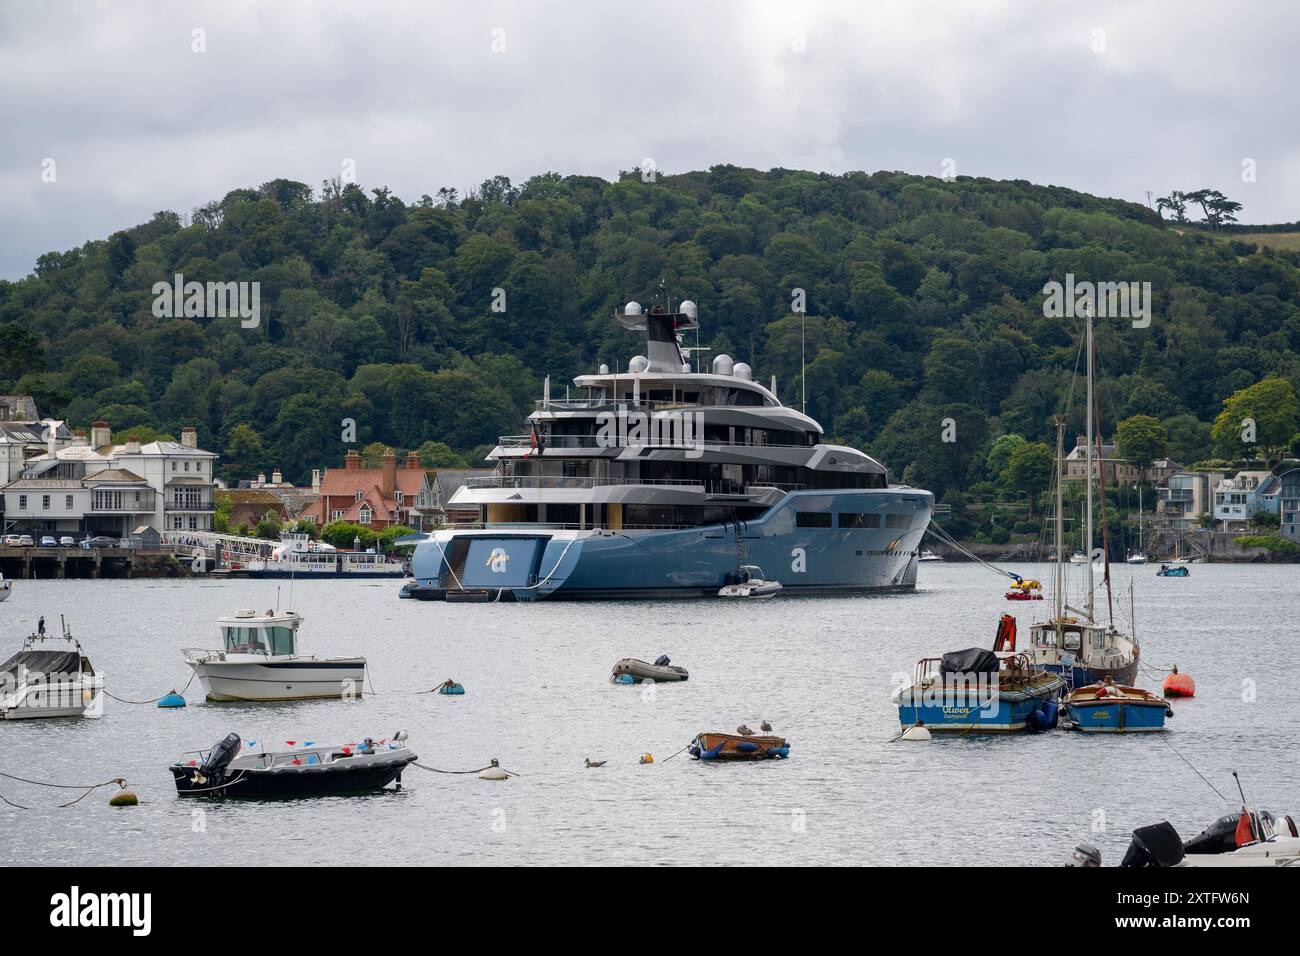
1029	470
1258	420
1142	439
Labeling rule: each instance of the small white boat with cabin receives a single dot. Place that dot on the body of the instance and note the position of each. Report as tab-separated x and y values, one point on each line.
928	556
50	677
259	660
6	586
749	583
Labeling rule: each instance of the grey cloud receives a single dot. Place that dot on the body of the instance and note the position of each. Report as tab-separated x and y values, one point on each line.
413	92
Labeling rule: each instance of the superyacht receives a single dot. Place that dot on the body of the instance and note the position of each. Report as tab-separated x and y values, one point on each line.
663	481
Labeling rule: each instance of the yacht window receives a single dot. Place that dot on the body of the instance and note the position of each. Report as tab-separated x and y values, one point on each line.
1071	642
245	639
812	519
847	520
281	639
898	522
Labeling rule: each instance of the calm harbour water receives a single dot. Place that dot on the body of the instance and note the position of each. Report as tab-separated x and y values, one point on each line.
537	698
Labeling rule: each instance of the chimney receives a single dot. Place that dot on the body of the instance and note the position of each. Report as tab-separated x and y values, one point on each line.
132	445
261	479
315	480
277	478
79	437
352	460
189	437
1080	441
390	473
413	460
100	435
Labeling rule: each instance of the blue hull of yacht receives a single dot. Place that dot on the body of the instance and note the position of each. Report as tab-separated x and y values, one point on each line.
524	562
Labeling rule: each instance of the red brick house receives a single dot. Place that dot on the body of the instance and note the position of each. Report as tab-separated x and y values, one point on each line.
374	497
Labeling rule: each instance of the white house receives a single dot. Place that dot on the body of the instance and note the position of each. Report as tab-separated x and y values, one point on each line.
92	487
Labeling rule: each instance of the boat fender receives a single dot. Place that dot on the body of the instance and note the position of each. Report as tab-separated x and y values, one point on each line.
747	746
778	752
171	699
624	679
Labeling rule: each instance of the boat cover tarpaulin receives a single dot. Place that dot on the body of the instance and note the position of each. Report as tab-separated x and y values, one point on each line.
1156	845
38	662
973	660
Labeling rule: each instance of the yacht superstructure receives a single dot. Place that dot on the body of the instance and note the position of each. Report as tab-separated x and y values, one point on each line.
660	481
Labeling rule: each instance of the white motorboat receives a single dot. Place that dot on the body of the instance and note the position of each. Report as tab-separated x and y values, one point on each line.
6	586
260	661
929	556
749	583
1137	558
50	677
1078	558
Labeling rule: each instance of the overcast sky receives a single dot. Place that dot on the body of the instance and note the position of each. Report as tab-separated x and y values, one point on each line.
1114	98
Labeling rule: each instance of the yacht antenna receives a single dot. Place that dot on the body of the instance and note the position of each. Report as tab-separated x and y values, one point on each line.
803	363
1239	789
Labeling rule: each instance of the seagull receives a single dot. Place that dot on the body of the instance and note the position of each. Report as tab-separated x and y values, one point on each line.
744	731
765	727
400	736
594	763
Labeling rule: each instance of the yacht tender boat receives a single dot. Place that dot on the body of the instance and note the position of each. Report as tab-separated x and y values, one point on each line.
657	480
259	660
51	676
662	670
749	583
252	770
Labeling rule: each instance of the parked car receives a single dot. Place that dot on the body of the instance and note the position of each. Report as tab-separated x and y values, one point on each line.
26	541
49	541
13	541
67	541
99	541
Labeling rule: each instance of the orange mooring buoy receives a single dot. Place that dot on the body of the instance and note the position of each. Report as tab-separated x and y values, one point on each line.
1179	685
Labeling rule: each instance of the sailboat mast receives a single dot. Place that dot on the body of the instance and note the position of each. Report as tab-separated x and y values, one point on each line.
1058	579
1087	518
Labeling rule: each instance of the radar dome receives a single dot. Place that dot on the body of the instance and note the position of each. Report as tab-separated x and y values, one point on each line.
604	369
638	364
688	308
743	371
723	365
632	308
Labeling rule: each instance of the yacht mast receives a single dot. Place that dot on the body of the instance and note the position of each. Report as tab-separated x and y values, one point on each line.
1087	520
1058	579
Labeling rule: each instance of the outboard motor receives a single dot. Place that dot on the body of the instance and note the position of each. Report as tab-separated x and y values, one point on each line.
1156	845
1219	837
219	757
662	661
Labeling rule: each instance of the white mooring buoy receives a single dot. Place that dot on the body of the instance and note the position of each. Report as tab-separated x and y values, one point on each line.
916	732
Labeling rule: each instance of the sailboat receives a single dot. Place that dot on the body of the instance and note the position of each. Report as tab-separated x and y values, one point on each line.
1073	642
1139	556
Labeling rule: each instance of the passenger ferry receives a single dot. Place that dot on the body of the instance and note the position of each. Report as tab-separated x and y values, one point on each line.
661	481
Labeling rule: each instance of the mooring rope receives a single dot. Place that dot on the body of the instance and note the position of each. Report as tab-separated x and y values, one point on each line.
89	789
155	700
479	770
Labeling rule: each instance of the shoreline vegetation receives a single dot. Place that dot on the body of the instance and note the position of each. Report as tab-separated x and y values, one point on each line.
431	323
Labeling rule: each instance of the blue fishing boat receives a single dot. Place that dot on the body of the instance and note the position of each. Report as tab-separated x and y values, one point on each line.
1110	708
976	691
1173	571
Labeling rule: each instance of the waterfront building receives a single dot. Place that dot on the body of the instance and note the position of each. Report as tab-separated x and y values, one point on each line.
373	497
91	486
1240	498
